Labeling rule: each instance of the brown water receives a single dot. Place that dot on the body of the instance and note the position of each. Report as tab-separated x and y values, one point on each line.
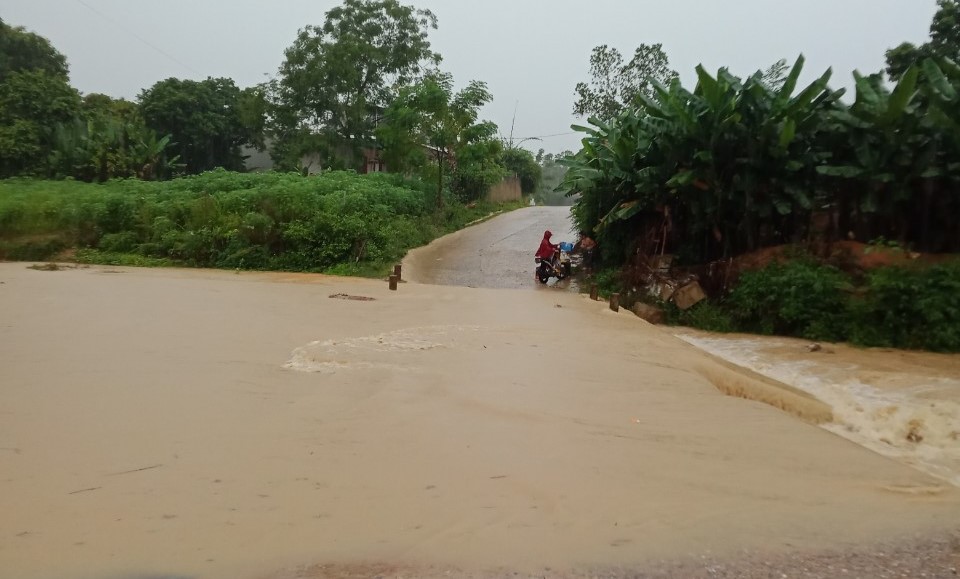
905	405
170	423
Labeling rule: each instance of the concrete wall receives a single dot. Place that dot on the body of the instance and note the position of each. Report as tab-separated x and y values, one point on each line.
256	161
259	161
506	190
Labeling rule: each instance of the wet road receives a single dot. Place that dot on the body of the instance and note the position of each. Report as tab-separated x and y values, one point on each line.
495	254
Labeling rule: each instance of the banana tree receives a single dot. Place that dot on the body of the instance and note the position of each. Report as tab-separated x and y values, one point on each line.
745	155
942	90
777	178
884	150
940	190
742	165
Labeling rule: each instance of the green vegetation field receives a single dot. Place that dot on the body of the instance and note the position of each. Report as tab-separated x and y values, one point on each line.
337	222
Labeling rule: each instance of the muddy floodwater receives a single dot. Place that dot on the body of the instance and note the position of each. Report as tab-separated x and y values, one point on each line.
905	405
203	424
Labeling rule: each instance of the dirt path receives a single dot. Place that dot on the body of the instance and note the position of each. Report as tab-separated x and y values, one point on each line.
197	424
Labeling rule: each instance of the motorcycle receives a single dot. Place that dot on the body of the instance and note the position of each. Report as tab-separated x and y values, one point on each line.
558	266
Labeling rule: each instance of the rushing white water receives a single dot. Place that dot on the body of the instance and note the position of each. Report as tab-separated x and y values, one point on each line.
907	424
391	349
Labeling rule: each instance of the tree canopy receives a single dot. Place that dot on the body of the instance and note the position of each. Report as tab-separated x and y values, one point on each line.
944	41
21	50
203	119
430	129
615	84
35	97
338	76
523	164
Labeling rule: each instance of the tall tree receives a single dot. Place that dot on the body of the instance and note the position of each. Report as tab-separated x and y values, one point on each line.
944	41
338	76
615	84
431	129
32	105
252	110
22	50
523	164
202	117
35	97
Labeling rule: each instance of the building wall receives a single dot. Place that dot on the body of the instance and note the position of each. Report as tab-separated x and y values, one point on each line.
506	190
258	161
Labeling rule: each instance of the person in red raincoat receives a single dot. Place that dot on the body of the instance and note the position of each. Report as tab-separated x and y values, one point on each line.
547	249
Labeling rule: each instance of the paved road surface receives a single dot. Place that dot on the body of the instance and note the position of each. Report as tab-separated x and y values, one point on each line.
495	254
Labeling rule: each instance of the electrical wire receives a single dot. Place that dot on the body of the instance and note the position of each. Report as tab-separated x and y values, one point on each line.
138	37
547	136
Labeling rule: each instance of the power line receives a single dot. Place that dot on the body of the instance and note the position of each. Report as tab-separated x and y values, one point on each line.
140	38
548	136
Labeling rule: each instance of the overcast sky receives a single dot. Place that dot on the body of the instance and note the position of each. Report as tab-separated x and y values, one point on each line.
530	52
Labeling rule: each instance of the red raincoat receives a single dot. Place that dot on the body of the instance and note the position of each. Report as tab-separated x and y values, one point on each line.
546	248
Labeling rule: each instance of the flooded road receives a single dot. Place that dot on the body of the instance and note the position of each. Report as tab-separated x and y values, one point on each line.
496	254
904	405
212	425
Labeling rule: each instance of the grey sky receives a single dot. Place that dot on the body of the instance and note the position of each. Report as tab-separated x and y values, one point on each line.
530	52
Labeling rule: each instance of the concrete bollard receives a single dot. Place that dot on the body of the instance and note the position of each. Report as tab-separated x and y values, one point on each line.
393	283
615	302
594	292
396	271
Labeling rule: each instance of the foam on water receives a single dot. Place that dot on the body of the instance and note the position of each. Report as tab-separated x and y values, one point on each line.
900	423
390	350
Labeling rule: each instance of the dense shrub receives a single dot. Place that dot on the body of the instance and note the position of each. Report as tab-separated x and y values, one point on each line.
706	315
900	307
799	298
910	308
230	220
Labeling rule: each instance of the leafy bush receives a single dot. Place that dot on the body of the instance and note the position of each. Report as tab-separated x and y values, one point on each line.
708	316
897	307
910	308
609	281
798	298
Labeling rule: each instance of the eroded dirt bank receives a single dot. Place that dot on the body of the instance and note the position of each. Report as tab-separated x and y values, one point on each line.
170	423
